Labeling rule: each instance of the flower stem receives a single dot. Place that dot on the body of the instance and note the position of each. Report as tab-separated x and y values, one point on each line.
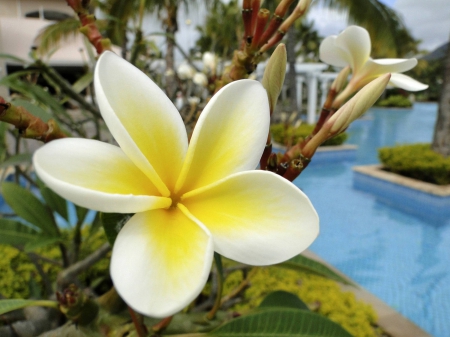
141	329
218	260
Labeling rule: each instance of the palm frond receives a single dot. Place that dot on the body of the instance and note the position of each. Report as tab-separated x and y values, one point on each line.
380	20
51	36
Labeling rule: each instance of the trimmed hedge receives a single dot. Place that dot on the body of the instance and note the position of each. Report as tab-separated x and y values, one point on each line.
395	101
416	161
282	135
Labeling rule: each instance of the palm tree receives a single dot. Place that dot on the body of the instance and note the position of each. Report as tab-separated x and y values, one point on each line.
441	138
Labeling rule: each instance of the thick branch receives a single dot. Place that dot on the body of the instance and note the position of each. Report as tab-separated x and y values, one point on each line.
29	126
68	275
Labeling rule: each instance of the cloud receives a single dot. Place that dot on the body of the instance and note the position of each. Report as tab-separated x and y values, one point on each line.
427	20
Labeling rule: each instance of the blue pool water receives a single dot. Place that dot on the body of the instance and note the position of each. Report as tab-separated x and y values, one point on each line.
400	258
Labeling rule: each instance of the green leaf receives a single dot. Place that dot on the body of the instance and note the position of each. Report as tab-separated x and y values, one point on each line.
96	224
16	160
81	213
15	233
40	242
11	305
283	299
33	109
303	263
33	91
113	223
12	57
29	207
282	323
83	82
53	200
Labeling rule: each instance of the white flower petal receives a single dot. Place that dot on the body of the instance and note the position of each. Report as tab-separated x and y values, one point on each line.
333	55
229	137
406	82
256	217
355	41
96	175
142	119
161	261
374	68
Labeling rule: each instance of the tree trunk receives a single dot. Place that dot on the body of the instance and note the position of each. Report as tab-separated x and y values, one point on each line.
441	138
171	28
291	75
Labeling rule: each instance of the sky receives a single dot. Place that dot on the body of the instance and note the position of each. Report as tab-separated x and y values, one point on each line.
427	20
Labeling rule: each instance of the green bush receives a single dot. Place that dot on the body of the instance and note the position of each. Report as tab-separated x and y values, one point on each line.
290	135
395	101
416	161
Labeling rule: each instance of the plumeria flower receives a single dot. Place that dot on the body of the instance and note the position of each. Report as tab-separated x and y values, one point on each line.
352	47
189	200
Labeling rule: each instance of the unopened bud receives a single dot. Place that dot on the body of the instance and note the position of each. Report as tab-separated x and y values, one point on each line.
274	73
357	105
340	80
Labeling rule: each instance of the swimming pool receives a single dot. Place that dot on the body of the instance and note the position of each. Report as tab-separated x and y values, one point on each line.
401	259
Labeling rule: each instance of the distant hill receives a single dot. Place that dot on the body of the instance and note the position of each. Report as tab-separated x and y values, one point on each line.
438	53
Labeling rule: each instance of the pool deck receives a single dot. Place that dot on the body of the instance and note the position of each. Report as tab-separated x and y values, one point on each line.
389	319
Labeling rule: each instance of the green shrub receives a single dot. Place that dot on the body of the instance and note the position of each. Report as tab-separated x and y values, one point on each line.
291	135
17	271
416	161
395	101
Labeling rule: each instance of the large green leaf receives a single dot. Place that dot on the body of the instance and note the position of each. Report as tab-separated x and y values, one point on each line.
33	91
83	82
280	323
28	206
16	160
113	223
10	305
303	263
53	200
34	109
40	242
283	299
15	233
12	57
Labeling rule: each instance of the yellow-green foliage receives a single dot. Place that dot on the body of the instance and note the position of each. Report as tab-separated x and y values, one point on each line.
289	135
321	295
16	269
417	161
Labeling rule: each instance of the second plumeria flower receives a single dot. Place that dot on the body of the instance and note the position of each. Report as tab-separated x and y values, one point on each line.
189	200
353	47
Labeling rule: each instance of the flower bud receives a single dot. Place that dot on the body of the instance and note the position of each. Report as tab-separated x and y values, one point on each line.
185	71
209	62
274	73
341	79
200	79
358	105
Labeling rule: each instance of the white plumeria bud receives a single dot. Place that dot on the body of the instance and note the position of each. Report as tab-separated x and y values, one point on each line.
200	79
274	73
349	112
185	71
341	79
193	100
210	61
358	105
